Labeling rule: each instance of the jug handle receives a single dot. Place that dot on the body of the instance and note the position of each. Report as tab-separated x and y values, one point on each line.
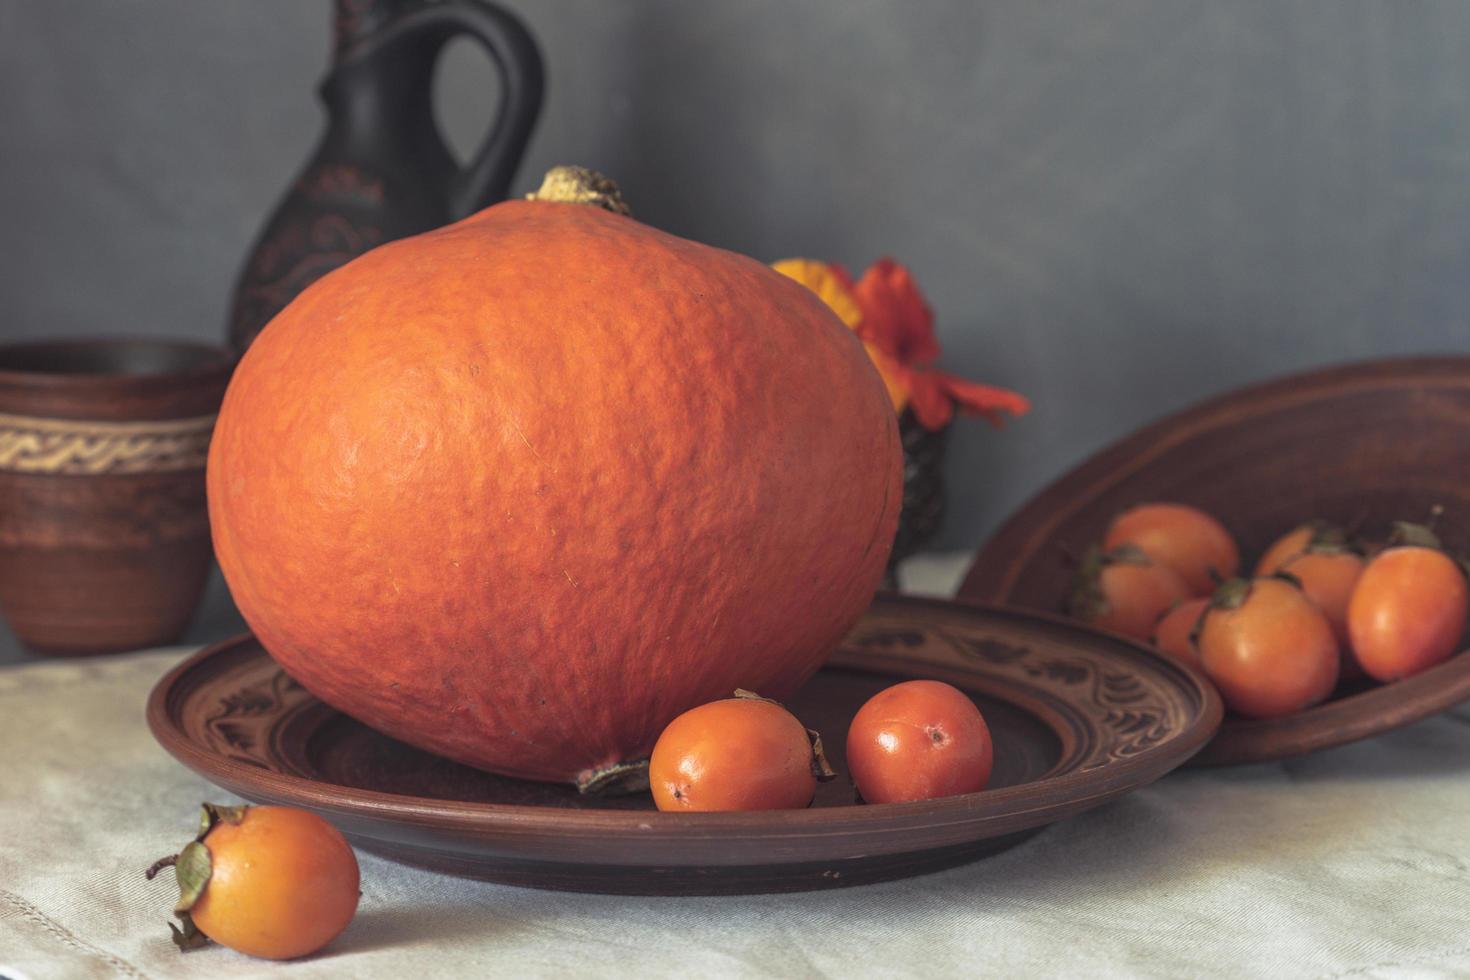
513	52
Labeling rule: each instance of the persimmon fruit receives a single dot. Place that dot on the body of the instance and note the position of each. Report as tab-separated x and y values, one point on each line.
1174	632
270	881
1313	534
1283	549
1268	649
1184	538
1328	577
740	753
1124	591
1407	611
919	740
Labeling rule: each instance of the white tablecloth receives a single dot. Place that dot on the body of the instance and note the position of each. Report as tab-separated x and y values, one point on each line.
1352	862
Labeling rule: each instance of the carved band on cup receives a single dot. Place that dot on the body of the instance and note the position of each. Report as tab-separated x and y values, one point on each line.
87	448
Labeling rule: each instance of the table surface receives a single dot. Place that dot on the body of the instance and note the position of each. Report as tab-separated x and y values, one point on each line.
1351	862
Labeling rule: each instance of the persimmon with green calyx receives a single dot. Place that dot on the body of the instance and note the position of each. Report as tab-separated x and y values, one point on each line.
1312	534
1328	574
269	881
919	740
1124	591
1267	647
522	489
740	753
1184	538
1174	632
1408	609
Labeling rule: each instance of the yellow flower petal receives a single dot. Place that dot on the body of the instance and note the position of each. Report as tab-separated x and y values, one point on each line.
830	289
893	379
820	279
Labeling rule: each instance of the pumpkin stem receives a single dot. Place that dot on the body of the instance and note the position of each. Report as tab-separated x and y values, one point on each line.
579	185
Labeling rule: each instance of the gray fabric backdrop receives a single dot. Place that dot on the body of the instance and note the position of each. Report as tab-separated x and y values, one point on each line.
1115	207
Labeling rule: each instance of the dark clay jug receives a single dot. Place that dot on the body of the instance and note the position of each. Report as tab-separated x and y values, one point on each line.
382	170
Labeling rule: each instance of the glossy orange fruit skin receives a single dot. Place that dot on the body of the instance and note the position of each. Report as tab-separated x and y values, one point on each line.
1172	632
520	490
1184	538
735	754
1272	656
1136	596
1407	612
919	740
1283	549
284	884
1328	579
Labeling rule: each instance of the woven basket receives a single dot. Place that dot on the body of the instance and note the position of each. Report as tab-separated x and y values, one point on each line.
923	487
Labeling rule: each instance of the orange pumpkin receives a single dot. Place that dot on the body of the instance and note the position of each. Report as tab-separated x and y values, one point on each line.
523	489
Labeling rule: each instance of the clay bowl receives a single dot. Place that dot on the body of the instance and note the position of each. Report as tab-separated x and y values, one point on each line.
104	535
1078	718
1370	442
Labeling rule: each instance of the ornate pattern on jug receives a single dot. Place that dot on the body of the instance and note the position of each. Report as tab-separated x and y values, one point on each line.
302	248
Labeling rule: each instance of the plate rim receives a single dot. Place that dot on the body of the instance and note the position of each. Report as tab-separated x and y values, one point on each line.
1069	792
1358	716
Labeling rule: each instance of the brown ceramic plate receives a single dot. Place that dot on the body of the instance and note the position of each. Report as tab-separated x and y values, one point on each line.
1366	443
1078	718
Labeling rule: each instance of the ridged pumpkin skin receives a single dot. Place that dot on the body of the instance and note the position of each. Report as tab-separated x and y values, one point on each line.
523	489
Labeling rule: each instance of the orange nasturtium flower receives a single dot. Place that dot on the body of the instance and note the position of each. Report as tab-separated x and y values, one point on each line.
833	287
890	316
